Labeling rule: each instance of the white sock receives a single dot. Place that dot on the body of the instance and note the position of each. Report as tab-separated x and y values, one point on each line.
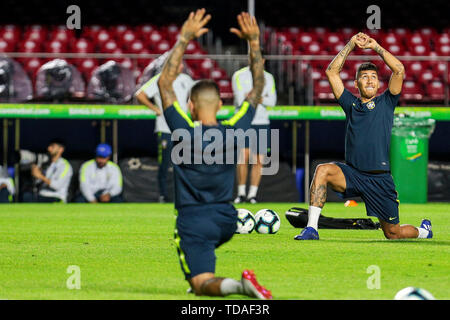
423	233
230	286
313	217
241	190
252	192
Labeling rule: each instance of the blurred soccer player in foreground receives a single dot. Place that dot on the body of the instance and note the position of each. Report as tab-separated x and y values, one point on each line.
369	121
203	192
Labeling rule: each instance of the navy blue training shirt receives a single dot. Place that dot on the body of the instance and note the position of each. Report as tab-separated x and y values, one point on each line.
203	183
368	130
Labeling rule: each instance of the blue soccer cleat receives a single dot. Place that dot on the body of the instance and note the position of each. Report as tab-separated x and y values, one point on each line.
426	224
309	233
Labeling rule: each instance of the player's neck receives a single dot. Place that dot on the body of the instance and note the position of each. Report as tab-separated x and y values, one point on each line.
364	99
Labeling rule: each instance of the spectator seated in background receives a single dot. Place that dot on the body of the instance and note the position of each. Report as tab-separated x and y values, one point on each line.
53	178
100	178
6	186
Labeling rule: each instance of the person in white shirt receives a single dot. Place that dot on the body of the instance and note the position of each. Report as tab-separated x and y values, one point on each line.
242	84
6	186
100	179
53	181
182	87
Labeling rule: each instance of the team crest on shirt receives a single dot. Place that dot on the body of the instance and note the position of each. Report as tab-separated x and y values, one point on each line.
370	105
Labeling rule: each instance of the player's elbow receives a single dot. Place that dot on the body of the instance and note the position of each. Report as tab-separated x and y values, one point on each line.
331	73
400	70
164	82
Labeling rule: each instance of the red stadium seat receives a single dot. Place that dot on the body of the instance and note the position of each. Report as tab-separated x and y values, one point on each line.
218	74
226	91
401	32
439	70
390	38
117	31
443	50
443	39
144	62
412	91
126	39
31	66
395	49
206	66
29	46
162	47
91	31
435	91
35	35
109	46
322	90
377	34
135	47
172	31
305	39
426	76
62	34
86	67
153	38
350	86
415	39
127	63
421	50
82	45
143	31
6	46
10	32
192	47
414	68
102	37
56	46
313	48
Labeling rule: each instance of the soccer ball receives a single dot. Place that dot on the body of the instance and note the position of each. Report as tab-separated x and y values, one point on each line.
246	221
411	293
267	221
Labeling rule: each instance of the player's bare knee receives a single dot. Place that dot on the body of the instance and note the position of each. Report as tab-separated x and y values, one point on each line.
391	234
322	172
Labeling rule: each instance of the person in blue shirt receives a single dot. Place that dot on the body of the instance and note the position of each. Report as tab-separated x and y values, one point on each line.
203	189
369	121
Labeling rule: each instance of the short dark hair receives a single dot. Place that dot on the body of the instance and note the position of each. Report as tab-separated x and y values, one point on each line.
206	84
57	141
366	66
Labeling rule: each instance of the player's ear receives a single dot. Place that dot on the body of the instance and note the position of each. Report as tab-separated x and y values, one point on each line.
356	84
219	105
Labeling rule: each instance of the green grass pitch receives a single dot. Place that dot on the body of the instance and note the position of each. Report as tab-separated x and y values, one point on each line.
127	251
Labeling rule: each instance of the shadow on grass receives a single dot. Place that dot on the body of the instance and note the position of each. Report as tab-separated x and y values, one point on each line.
402	241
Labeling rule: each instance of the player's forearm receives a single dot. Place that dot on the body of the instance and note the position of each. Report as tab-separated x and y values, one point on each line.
142	98
392	62
338	62
170	72
257	69
170	69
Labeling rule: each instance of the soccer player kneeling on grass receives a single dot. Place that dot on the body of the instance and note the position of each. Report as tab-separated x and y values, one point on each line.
203	192
366	172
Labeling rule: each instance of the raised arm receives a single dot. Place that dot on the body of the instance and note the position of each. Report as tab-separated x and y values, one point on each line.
336	65
249	30
398	70
192	28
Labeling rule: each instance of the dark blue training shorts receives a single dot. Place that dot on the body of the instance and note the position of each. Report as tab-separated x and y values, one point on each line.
376	190
199	231
259	129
